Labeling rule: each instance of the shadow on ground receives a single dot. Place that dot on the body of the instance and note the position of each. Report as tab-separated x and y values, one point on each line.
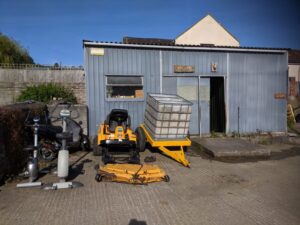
137	222
77	169
294	151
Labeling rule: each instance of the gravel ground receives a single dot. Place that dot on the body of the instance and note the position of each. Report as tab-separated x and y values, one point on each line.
210	192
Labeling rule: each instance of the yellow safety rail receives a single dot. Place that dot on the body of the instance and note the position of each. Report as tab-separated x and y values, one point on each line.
177	152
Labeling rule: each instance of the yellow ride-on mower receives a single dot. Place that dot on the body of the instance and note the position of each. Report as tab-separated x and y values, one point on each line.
115	136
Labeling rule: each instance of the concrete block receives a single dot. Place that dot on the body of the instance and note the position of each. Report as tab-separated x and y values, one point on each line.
231	148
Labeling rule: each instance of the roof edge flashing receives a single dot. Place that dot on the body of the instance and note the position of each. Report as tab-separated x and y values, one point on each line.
186	47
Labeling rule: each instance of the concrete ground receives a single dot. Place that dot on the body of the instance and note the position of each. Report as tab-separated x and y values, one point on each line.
210	192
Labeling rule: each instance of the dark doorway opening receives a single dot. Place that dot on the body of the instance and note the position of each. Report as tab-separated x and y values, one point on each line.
217	105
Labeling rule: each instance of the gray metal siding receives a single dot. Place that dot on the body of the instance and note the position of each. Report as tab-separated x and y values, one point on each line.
204	107
200	60
117	61
253	81
170	86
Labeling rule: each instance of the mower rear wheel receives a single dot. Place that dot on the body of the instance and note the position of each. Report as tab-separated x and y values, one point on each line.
98	177
46	154
97	150
140	139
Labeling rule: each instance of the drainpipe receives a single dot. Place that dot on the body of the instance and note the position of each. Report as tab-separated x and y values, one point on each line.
238	121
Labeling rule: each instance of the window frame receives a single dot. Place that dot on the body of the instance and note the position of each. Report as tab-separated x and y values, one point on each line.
123	99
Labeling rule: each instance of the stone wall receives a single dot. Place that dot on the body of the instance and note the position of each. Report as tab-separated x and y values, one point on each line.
13	81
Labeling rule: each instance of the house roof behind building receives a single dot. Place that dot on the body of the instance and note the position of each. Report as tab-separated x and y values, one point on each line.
294	56
207	30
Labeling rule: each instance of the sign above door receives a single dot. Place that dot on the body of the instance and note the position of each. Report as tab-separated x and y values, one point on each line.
184	69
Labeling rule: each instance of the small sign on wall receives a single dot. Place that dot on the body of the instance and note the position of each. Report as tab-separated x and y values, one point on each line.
279	95
213	67
184	69
97	51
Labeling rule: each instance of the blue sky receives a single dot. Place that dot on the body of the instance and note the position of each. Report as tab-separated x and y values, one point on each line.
53	30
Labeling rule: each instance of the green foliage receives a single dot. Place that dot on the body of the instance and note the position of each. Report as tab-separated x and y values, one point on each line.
235	134
290	122
13	135
264	142
12	52
46	92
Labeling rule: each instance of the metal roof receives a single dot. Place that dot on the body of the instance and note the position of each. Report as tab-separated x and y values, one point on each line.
294	56
88	43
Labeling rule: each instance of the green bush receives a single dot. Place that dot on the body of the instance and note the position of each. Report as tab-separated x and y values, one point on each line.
290	122
14	136
46	92
13	52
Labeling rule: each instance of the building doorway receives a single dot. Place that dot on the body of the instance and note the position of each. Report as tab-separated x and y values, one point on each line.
217	105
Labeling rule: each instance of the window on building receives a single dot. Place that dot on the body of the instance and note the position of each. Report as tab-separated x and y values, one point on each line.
124	87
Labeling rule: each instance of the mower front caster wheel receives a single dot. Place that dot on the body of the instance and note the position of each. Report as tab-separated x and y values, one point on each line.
166	178
98	178
97	151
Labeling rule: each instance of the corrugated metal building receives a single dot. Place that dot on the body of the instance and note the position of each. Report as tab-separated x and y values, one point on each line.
233	89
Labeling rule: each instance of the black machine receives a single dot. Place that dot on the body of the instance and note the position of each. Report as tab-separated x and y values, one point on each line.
49	144
49	133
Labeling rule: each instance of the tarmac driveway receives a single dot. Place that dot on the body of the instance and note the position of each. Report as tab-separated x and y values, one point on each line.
210	192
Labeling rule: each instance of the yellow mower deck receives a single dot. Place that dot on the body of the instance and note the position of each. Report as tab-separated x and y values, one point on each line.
131	173
176	154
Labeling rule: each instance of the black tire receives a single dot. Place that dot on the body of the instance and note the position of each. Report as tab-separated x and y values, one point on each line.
97	150
85	143
96	167
46	154
166	178
140	139
98	177
185	148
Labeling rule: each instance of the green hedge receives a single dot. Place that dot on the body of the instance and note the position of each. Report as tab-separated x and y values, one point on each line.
14	134
46	92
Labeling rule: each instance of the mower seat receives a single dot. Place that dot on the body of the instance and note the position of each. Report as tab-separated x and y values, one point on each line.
112	126
118	117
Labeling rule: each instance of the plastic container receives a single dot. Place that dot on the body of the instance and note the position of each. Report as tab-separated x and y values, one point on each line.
167	116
